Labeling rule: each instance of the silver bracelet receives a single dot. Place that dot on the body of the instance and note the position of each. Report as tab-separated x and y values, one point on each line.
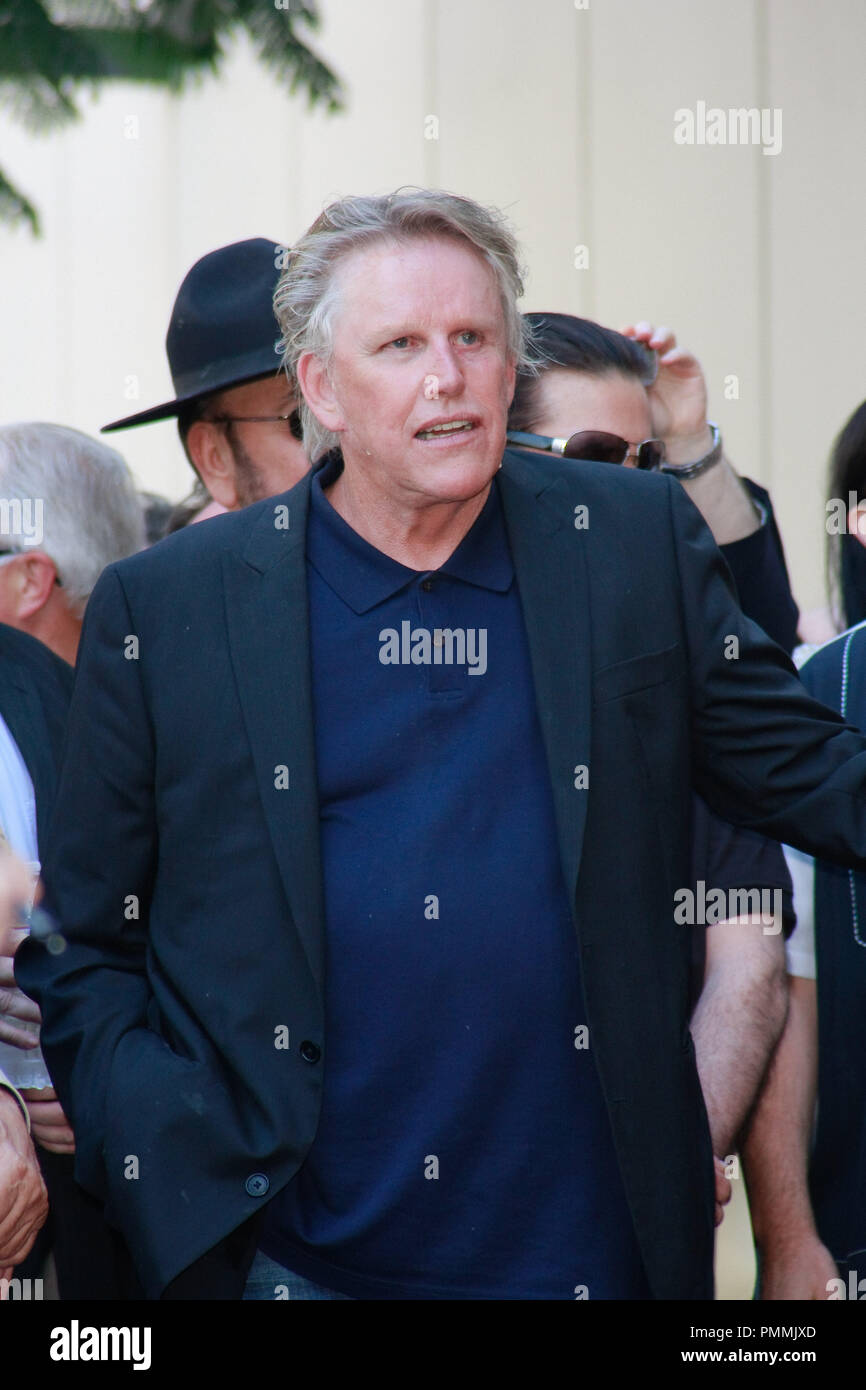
684	471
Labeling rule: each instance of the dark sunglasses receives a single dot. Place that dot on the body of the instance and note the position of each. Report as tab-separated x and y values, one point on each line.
293	421
594	444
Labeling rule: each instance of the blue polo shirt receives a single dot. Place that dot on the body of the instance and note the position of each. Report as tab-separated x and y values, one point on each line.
463	1150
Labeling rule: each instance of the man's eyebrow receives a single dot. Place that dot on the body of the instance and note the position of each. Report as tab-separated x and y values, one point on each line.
387	332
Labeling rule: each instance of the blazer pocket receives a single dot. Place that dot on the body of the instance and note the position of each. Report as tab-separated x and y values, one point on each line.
638	673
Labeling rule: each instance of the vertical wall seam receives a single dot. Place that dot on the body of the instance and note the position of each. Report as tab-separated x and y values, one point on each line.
585	231
763	205
430	32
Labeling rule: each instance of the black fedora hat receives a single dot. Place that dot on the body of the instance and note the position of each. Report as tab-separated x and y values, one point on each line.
222	330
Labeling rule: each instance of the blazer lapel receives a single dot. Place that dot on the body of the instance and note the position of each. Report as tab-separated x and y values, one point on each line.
549	555
268	627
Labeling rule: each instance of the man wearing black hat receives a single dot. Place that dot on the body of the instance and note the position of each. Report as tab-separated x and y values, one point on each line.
236	414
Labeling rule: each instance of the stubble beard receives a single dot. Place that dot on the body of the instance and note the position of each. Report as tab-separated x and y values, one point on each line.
250	485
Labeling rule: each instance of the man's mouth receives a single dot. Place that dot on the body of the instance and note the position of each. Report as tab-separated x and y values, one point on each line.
446	427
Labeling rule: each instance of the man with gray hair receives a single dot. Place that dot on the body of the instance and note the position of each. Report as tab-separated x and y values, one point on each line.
374	1004
68	508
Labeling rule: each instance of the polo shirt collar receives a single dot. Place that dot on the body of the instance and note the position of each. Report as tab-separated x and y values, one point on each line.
363	576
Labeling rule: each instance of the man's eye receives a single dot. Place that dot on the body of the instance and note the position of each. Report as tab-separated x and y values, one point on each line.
399	342
468	337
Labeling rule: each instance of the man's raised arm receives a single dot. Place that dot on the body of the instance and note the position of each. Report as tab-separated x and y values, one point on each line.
766	755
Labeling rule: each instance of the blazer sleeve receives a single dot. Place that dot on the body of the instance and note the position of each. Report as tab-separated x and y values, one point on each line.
757	563
99	860
765	754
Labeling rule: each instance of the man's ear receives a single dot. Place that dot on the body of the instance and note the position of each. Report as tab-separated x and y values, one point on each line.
210	452
32	581
857	522
315	382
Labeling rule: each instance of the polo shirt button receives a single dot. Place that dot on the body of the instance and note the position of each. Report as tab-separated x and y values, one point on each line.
310	1051
426	585
257	1185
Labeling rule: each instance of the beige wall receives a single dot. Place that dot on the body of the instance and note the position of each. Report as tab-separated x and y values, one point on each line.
562	115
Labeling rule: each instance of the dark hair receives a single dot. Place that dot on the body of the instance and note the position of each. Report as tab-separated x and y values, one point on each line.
189	414
583	346
201	408
156	511
846	558
186	511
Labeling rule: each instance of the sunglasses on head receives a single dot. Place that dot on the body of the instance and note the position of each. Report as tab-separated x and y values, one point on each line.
594	444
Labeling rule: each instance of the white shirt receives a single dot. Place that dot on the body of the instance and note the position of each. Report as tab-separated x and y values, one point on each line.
800	946
17	798
18	821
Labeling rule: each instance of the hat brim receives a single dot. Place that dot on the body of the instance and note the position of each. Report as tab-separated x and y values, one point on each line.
144	417
173	408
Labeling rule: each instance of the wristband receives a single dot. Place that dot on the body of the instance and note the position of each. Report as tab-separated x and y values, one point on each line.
685	471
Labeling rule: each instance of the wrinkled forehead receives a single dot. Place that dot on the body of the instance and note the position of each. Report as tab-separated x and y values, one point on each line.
425	278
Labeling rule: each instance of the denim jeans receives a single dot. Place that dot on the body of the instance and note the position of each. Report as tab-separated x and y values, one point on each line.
268	1281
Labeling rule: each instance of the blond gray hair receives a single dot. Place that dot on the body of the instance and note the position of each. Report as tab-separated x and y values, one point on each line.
86	497
307	293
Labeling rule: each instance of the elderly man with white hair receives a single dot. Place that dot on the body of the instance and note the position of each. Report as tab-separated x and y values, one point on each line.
376	804
68	508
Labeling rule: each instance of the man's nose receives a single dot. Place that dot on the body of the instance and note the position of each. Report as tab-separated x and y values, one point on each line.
443	372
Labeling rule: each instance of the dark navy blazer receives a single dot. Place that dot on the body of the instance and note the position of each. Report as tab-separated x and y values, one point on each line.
184	863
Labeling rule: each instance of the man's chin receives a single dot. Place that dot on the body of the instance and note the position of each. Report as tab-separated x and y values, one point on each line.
460	489
463	474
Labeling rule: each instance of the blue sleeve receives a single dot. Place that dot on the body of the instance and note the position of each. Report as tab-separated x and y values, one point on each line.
757	563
